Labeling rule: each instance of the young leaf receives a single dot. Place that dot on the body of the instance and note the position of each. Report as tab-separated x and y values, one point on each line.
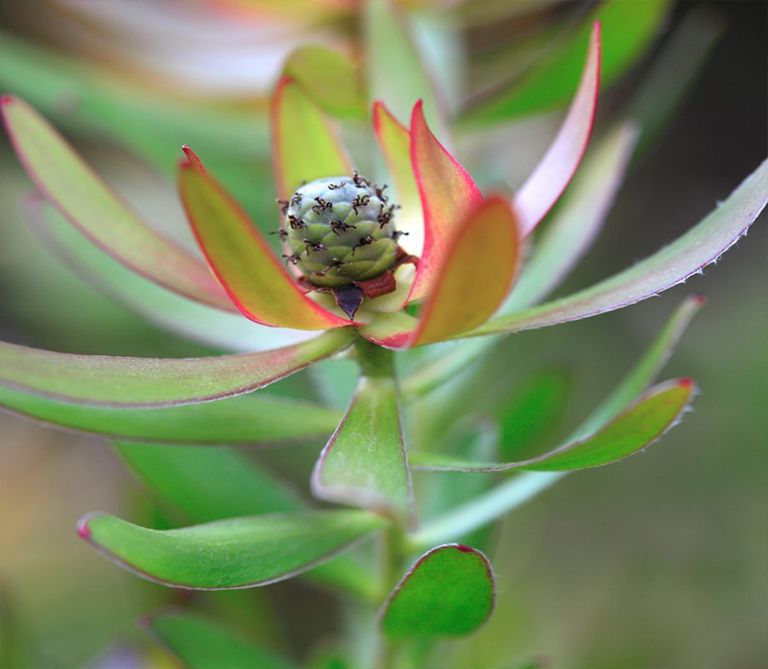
635	429
364	463
224	330
550	177
241	258
573	229
479	263
393	66
251	419
686	256
395	143
96	211
628	28
450	591
227	554
329	79
123	381
304	147
448	196
202	643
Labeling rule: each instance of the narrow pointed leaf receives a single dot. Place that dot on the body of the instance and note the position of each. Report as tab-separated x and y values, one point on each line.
686	256
394	68
448	196
224	330
241	258
227	554
97	212
124	381
450	591
304	147
632	431
364	463
477	270
202	643
257	419
629	27
329	79
550	177
570	234
395	143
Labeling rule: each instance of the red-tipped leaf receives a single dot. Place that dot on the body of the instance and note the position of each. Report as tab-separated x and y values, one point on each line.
241	258
99	213
448	195
551	176
123	381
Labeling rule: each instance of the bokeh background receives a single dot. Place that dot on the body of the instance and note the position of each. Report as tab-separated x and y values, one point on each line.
657	562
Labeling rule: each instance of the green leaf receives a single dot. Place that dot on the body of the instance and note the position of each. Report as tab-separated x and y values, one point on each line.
241	259
202	643
532	412
632	431
304	145
226	554
364	463
628	29
192	320
578	221
331	80
450	591
89	204
257	419
673	264
395	73
124	381
209	484
522	487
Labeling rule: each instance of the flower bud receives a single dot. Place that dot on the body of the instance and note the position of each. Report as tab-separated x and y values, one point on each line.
340	231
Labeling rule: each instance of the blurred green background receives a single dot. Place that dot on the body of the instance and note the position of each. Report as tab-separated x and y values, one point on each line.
657	562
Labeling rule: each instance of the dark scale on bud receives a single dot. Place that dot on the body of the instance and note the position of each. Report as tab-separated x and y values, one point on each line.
340	232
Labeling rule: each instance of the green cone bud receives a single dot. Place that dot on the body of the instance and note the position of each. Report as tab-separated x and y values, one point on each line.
340	231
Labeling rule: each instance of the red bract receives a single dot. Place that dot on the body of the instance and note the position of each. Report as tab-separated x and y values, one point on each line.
471	244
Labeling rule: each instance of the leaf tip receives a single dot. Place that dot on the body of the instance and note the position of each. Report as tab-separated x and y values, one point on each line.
5	100
686	383
83	530
699	300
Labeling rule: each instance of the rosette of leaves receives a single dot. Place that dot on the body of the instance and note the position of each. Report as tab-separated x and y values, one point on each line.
470	283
